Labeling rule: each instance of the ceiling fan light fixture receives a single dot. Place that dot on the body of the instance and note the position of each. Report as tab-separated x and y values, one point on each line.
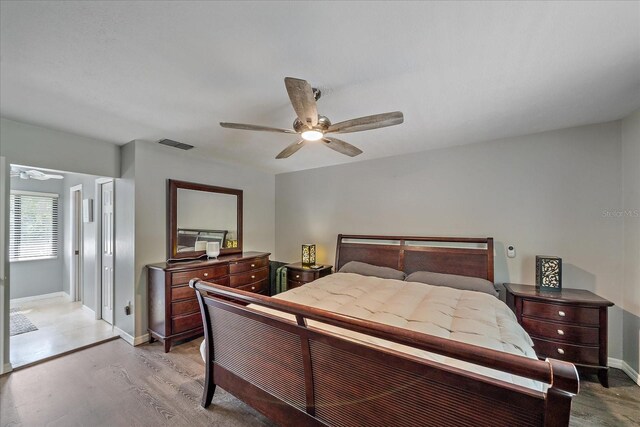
311	135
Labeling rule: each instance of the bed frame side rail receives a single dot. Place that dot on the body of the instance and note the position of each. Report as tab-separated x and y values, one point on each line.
296	375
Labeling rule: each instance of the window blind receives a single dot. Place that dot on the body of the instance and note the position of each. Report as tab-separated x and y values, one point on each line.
33	225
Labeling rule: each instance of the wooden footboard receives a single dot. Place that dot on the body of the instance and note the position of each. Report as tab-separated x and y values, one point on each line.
297	375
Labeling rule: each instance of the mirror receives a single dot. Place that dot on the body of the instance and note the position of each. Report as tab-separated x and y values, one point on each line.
199	214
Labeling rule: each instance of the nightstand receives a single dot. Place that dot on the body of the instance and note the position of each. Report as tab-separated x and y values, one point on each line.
297	275
569	325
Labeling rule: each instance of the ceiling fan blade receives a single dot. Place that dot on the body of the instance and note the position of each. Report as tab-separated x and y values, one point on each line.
341	146
368	122
303	100
255	127
51	176
290	149
34	174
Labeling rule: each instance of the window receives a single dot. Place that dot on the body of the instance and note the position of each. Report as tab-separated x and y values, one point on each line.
33	226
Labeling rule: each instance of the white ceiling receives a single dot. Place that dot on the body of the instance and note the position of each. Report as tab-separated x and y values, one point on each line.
460	72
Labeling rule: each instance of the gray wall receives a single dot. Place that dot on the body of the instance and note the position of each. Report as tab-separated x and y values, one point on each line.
543	193
631	224
25	144
154	164
38	277
125	240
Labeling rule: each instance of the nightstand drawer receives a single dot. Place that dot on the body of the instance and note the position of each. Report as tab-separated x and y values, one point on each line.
301	276
561	332
563	351
252	264
561	313
210	273
241	279
293	284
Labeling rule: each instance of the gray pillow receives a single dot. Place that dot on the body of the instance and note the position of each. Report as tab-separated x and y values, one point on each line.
372	270
464	283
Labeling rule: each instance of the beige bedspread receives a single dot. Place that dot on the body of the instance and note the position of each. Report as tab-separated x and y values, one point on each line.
471	317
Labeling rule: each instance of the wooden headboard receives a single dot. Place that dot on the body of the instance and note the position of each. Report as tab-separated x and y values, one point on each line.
451	255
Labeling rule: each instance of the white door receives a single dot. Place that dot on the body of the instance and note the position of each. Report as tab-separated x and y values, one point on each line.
107	251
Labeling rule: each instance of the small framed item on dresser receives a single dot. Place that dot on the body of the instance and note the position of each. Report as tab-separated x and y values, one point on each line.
548	273
567	324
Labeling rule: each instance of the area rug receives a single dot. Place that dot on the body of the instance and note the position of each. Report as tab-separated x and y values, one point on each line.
18	323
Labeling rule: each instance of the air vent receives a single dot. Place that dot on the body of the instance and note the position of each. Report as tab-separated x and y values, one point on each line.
176	144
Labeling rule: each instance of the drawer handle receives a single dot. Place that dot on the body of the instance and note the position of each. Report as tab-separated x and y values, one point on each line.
297	276
206	274
561	351
253	277
253	265
561	313
560	332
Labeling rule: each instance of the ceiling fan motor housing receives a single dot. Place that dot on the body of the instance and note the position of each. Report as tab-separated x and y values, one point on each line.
322	126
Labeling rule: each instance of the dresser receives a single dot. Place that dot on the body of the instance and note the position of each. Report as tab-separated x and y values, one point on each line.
298	275
569	325
174	313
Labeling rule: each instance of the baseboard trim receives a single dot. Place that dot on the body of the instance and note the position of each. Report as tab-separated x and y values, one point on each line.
39	297
89	311
134	341
125	336
6	368
624	366
142	339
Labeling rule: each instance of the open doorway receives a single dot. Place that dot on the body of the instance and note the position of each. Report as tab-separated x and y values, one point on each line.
76	228
53	265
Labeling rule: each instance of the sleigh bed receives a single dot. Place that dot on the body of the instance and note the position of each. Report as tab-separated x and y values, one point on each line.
303	365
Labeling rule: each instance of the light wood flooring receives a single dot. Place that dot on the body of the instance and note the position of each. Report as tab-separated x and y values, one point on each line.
114	384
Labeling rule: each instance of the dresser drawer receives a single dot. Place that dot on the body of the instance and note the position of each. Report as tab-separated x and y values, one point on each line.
561	332
301	276
257	287
184	291
185	307
252	264
561	313
209	273
586	355
241	279
186	322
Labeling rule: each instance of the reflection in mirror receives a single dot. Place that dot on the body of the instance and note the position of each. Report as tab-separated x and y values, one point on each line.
206	217
201	214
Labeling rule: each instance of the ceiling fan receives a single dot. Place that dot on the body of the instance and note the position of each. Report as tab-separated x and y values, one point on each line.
313	127
33	174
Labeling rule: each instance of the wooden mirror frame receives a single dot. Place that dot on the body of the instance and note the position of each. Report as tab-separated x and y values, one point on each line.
172	217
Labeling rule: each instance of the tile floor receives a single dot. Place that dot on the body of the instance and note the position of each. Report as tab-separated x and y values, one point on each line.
62	326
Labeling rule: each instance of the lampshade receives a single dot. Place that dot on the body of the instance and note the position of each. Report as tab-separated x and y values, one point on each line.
308	254
548	273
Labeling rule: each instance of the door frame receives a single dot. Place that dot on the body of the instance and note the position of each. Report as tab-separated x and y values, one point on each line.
76	215
98	219
5	364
